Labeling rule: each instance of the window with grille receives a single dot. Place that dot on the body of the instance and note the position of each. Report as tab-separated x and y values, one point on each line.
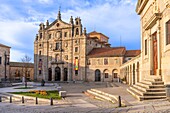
106	75
168	32
105	61
65	34
57	46
76	49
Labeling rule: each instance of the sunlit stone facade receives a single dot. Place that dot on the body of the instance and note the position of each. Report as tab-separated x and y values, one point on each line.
62	52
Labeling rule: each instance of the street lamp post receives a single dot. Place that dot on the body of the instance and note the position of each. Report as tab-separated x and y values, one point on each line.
6	63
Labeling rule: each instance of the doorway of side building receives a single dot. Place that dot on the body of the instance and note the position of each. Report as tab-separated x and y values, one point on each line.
57	74
115	75
65	74
155	54
106	75
49	74
97	75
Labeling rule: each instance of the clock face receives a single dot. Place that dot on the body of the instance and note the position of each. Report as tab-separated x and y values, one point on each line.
57	24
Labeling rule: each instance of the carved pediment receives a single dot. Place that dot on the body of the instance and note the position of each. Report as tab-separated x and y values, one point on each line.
58	24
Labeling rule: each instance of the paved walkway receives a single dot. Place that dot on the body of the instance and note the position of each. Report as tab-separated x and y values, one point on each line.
121	90
77	102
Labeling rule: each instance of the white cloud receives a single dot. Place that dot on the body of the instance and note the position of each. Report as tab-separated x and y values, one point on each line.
112	20
45	1
16	55
39	1
15	33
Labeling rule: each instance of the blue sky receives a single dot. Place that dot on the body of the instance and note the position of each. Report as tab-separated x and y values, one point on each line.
20	19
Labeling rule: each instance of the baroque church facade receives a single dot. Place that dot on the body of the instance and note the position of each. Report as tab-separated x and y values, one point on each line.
65	52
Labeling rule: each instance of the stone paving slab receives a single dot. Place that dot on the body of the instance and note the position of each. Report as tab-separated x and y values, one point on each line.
77	102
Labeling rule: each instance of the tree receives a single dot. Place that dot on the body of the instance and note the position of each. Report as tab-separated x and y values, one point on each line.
25	69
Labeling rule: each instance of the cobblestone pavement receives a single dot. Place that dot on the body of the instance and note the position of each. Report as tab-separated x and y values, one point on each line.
160	106
77	102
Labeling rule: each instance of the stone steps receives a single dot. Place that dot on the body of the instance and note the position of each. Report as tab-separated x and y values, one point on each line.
106	96
98	94
155	90
135	94
140	92
148	89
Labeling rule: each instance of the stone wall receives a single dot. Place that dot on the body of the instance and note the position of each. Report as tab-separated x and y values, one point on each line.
4	50
113	65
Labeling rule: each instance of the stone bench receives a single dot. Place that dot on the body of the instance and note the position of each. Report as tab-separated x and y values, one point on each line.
62	94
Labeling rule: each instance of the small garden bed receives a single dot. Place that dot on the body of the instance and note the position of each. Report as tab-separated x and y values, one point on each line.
40	94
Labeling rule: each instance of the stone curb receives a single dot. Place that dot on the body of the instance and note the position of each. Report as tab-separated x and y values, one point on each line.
107	95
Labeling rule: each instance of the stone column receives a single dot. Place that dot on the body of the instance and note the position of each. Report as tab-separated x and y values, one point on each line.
62	73
159	50
150	54
53	73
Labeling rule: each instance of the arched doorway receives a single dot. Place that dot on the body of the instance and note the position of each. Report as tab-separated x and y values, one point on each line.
65	74
57	74
106	75
115	75
49	74
97	75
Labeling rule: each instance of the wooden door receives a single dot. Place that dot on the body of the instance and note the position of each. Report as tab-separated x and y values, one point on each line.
155	54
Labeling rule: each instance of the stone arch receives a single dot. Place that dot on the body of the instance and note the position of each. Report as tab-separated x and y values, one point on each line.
97	75
57	74
106	73
115	73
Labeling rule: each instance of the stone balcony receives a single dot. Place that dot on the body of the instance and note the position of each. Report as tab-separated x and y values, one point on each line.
151	16
57	62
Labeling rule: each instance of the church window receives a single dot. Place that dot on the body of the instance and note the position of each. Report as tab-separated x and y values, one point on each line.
76	49
116	61
106	75
168	32
60	34
39	72
49	36
57	46
105	61
39	52
146	47
77	31
65	34
77	22
40	35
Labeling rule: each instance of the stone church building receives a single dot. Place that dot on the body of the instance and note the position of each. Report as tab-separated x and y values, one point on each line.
65	52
